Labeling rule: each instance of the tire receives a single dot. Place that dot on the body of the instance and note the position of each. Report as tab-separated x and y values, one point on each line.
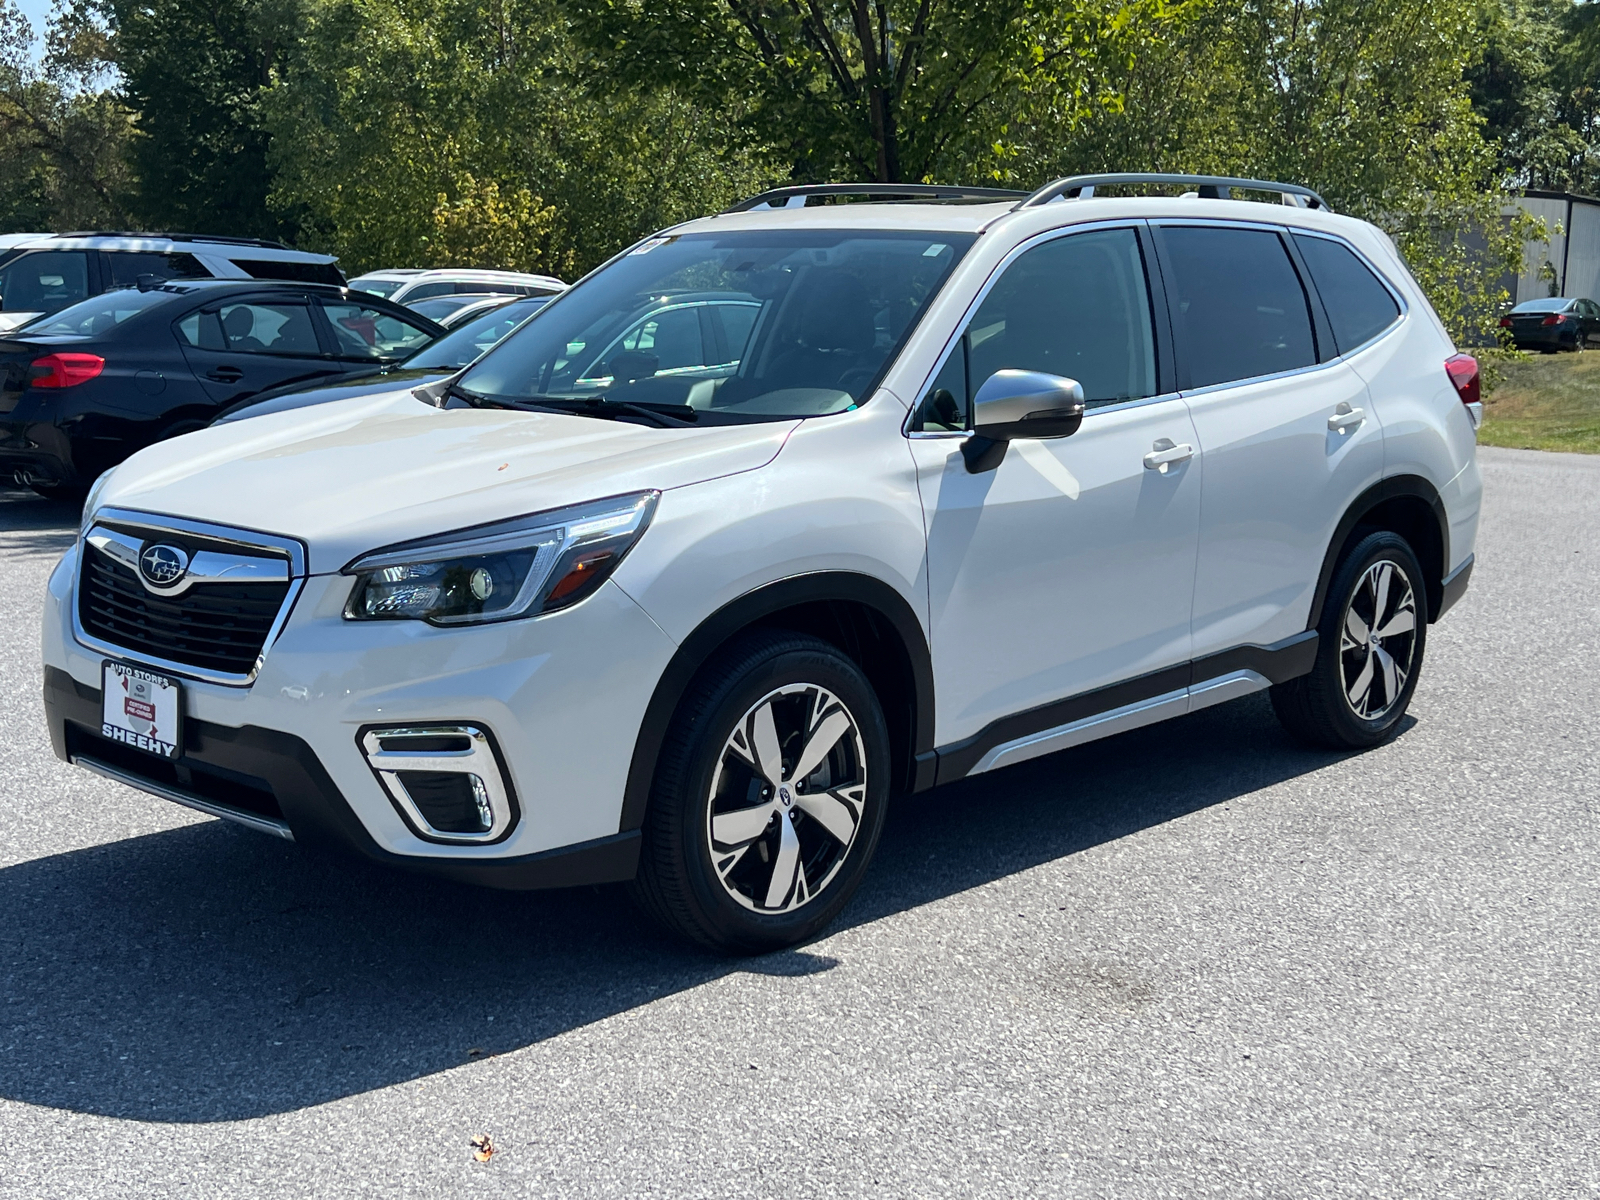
1357	692
733	859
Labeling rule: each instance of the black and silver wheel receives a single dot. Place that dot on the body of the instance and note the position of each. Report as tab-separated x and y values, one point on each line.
769	796
1372	632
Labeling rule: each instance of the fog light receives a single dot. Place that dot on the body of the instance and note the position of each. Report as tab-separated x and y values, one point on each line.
446	780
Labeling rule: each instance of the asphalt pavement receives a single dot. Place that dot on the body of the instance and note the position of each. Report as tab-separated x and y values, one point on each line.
1193	960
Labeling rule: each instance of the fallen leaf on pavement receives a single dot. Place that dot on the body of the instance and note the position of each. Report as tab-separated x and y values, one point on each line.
482	1148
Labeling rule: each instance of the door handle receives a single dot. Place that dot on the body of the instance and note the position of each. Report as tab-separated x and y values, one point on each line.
1164	454
1345	418
225	374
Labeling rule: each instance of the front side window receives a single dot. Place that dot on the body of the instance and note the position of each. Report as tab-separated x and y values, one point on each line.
806	322
253	328
1359	307
361	332
44	281
1238	310
1077	307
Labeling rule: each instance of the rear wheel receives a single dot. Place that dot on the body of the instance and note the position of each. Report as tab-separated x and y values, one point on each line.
1372	635
769	796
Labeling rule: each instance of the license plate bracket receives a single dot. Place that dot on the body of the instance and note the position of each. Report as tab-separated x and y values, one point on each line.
142	709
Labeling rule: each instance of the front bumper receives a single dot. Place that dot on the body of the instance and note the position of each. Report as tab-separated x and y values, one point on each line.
564	696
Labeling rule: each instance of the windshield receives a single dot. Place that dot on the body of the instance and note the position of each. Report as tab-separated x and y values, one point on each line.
464	343
1533	306
740	326
99	314
377	287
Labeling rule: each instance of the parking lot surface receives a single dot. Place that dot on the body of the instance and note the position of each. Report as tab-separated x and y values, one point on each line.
1192	960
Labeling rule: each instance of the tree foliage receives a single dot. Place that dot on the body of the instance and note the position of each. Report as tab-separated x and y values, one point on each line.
885	90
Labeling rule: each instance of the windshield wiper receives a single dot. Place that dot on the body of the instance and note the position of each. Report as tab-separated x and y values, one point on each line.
663	416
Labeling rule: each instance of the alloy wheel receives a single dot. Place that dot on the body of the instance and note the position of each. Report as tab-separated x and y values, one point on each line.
1378	640
786	798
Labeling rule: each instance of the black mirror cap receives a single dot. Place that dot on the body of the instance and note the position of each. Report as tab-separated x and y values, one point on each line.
1015	404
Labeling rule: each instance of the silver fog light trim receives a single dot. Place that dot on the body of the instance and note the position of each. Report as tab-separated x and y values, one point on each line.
449	750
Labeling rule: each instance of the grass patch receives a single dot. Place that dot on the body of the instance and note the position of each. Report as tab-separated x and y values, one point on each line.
1545	402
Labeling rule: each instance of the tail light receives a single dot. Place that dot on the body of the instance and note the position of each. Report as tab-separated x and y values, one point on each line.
65	370
1463	372
1555	319
1505	322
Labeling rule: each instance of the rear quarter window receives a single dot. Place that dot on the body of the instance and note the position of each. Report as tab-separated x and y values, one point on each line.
1359	307
294	272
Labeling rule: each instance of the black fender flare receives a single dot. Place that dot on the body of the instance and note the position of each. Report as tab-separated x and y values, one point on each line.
749	609
1379	493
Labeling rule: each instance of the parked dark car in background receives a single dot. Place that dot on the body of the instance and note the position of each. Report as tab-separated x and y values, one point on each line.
440	360
83	388
1559	323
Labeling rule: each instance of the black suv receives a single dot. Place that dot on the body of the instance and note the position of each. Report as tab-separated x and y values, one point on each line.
85	387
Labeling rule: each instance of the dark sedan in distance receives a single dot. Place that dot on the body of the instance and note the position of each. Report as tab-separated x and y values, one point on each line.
1559	323
432	363
83	388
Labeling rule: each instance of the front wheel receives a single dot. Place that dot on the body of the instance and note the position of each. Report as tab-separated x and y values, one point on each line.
769	796
1372	633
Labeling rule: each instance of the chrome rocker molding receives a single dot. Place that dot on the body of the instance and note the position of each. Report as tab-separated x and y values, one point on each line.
1118	720
250	565
1171	692
477	760
250	820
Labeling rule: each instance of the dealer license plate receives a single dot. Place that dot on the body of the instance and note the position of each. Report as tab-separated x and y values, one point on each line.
141	709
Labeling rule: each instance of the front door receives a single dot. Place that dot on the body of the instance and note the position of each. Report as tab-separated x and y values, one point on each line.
243	347
1069	567
1287	443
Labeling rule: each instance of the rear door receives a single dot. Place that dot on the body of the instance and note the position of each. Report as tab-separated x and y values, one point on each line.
1287	434
247	344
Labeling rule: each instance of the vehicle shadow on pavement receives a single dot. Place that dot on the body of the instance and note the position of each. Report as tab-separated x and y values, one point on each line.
208	973
31	524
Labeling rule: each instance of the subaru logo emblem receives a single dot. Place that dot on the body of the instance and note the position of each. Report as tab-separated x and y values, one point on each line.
163	565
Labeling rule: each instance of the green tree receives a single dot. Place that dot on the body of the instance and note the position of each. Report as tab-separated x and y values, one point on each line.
886	90
382	107
62	139
1368	101
196	71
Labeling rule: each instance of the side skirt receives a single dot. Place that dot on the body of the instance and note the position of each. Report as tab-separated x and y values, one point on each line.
1158	696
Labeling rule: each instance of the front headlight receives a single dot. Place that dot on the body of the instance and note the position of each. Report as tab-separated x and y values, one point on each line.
528	565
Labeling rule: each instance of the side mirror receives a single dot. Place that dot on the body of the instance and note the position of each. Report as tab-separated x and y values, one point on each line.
1020	404
626	366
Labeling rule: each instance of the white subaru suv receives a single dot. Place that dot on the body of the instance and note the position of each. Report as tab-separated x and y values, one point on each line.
780	513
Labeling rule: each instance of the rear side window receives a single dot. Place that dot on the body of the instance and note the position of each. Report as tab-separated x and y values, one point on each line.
1358	306
125	266
371	333
294	272
44	281
1238	309
1076	307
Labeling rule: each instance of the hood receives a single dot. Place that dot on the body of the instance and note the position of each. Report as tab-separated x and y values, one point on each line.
353	475
301	395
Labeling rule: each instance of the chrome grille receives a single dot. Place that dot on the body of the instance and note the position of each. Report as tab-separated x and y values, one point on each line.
215	623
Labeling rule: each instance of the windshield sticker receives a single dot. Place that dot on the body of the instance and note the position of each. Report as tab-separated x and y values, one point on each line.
646	247
935	250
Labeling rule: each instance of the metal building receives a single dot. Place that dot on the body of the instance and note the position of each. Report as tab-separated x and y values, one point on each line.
1569	265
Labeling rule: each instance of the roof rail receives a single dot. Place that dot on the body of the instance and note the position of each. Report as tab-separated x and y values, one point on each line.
1210	187
265	243
796	196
